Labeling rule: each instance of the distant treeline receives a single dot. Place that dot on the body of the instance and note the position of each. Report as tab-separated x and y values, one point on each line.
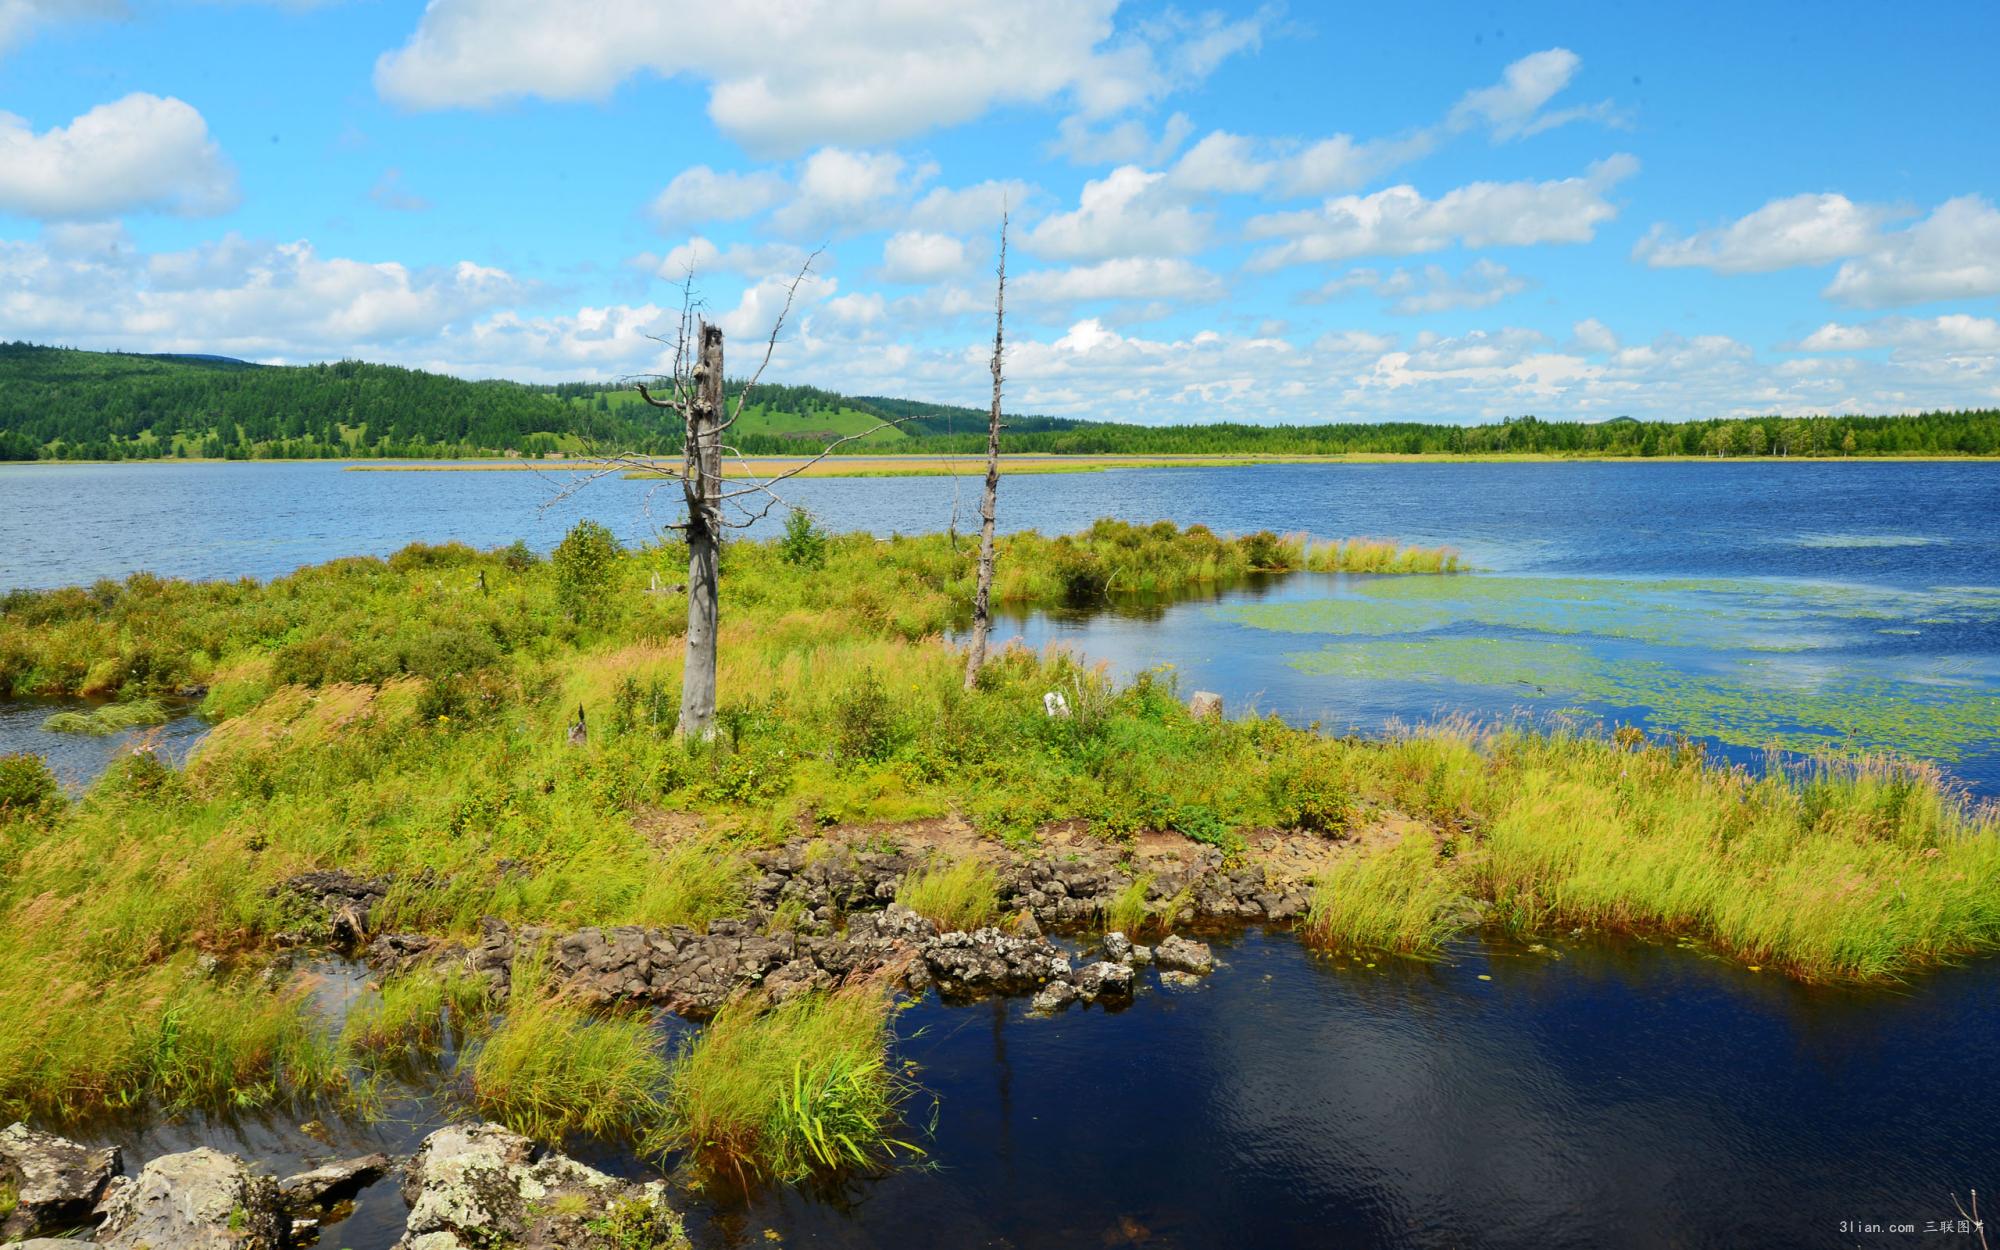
62	404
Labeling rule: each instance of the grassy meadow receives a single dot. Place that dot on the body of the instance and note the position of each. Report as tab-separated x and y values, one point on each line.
409	716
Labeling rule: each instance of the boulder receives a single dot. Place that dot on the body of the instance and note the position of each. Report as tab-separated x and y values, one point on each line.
1205	704
332	1183
1103	979
987	961
1178	954
1052	998
480	1185
200	1199
57	1183
1117	947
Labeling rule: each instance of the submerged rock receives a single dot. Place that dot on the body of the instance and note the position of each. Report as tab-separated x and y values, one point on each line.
57	1183
479	1185
1052	998
1179	954
200	1199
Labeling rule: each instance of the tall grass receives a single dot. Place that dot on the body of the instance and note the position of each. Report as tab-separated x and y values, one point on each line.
786	1093
1372	555
551	1068
960	895
414	1012
1405	898
110	719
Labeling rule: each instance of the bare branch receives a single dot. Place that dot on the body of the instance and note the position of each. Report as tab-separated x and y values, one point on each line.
828	450
771	345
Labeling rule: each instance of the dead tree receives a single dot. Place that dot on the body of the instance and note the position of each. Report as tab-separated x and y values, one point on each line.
695	393
982	595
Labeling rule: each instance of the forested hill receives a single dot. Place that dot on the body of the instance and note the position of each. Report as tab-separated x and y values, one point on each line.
61	404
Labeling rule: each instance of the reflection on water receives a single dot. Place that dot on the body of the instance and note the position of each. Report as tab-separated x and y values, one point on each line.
1596	1093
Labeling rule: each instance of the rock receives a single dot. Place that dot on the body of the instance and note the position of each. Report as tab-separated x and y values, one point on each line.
1179	980
480	1185
1025	924
344	901
1117	947
1178	954
57	1183
49	1243
1103	979
1205	704
987	961
793	979
200	1199
332	1183
1141	955
1052	998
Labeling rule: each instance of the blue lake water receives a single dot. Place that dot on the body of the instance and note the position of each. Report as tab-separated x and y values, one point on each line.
1801	604
1598	1093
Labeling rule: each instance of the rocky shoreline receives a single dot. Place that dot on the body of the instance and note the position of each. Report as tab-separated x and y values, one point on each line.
480	1185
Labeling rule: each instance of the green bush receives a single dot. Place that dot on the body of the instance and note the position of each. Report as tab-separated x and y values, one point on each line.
865	720
804	543
584	562
27	787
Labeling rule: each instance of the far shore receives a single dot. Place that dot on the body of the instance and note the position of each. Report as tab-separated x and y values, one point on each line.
933	465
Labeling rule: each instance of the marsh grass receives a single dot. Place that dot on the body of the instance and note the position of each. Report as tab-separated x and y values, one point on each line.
552	1068
1404	898
959	895
800	1089
415	1012
110	719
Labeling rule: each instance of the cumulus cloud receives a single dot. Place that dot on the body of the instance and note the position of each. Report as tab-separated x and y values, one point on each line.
1432	289
1400	221
698	195
1128	212
918	256
1947	335
701	257
1127	142
235	295
783	78
140	152
977	208
839	189
1952	254
1124	278
1797	230
1513	107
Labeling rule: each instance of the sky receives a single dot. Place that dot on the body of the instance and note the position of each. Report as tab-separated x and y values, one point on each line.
1296	213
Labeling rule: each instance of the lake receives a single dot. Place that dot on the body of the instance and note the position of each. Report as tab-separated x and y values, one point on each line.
1592	1092
1802	604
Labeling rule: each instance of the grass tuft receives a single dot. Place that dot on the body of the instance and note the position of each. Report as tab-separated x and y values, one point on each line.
963	895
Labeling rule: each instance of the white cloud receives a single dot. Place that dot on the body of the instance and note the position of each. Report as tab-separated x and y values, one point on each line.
1124	278
1400	221
1127	142
1798	230
1947	335
19	18
701	257
139	152
917	256
1952	254
1432	289
86	285
838	189
785	77
698	194
1593	337
1125	213
1512	107
974	209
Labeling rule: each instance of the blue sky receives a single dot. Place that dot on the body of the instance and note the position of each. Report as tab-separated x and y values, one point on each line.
1308	213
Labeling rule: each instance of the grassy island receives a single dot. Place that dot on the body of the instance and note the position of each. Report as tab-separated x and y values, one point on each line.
410	720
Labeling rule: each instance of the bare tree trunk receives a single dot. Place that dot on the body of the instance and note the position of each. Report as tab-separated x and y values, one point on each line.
702	482
982	616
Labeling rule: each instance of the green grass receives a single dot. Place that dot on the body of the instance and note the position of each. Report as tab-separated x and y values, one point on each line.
414	1012
109	719
961	895
783	1094
1404	898
390	717
552	1068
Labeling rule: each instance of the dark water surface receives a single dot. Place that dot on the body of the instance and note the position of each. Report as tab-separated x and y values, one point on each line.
1589	1094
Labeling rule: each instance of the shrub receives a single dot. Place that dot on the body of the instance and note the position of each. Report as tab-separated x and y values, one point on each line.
1311	794
865	720
804	543
27	787
584	562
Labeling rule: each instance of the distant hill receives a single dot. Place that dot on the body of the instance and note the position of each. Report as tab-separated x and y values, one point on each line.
62	404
